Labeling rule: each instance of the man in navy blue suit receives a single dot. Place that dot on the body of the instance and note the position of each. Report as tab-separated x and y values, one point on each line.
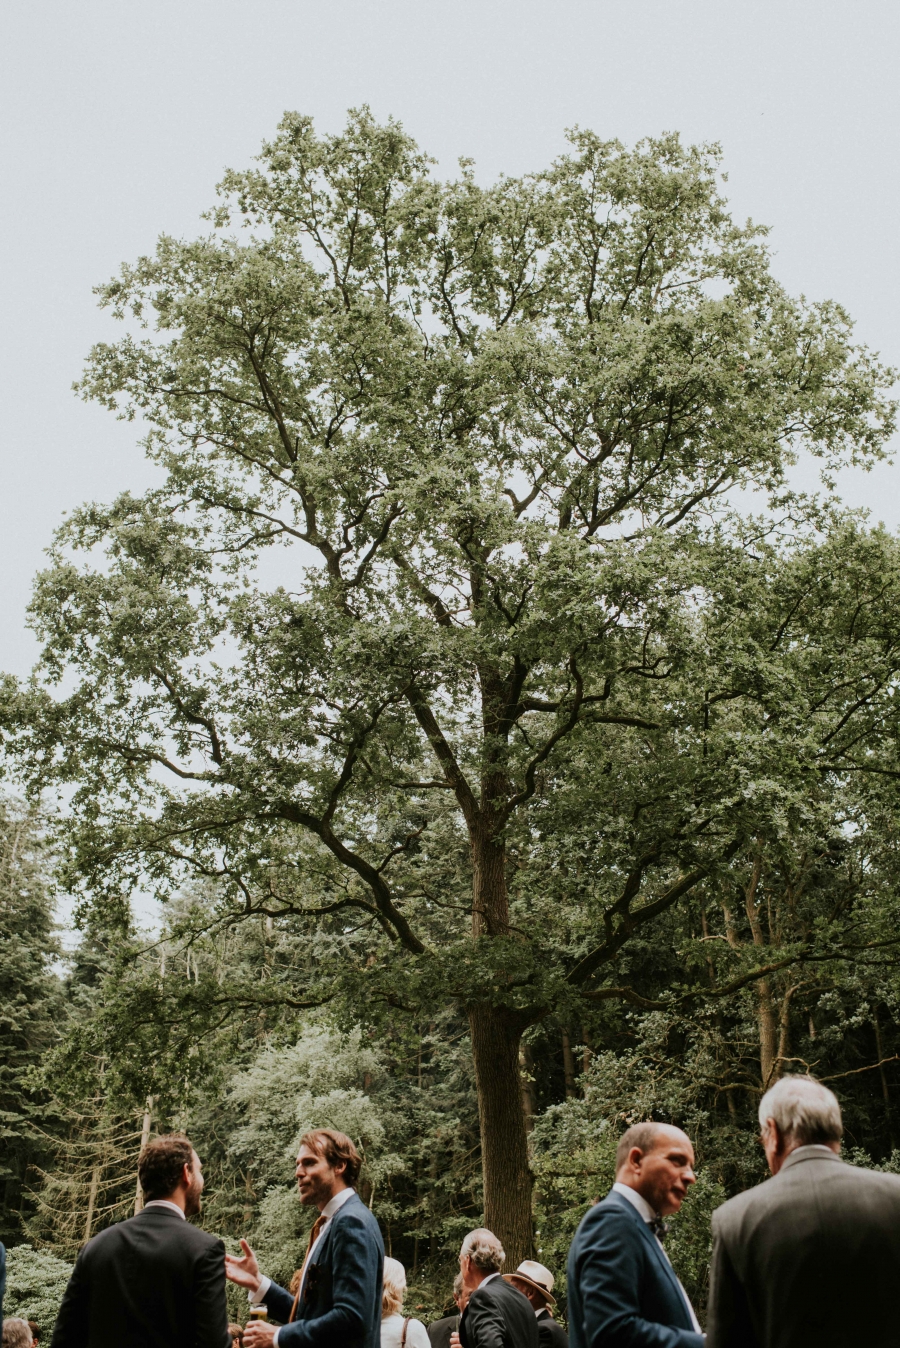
622	1290
338	1303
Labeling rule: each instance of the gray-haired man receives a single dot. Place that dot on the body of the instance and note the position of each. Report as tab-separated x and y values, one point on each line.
496	1315
810	1258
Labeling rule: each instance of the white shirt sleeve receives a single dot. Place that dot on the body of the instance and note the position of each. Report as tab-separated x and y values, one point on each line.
256	1297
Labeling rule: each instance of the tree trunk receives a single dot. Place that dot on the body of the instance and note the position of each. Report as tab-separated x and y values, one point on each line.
768	1028
568	1065
504	1155
145	1138
496	1031
879	1049
526	1064
92	1202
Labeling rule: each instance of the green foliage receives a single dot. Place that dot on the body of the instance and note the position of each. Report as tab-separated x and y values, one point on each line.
29	1005
35	1282
439	681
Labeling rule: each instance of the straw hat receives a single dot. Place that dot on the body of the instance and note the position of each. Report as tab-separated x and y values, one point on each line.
538	1277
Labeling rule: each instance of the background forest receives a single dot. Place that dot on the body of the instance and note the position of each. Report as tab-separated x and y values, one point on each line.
511	752
126	1032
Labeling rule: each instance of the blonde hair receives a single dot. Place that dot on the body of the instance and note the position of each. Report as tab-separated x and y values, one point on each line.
393	1288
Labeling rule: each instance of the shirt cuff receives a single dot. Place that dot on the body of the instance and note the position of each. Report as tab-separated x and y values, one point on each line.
256	1297
275	1340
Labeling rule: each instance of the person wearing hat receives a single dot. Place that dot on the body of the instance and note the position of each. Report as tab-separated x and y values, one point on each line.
536	1282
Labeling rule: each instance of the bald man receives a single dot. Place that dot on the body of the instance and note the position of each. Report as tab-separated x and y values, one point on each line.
623	1292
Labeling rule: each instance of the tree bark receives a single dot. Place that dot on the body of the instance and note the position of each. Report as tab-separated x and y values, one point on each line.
768	1028
568	1065
92	1202
145	1138
496	1035
526	1064
879	1049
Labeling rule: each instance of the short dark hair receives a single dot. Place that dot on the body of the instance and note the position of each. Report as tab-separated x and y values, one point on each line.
160	1165
640	1135
35	1329
335	1147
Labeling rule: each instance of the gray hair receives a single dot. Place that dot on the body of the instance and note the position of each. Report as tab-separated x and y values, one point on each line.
484	1250
16	1333
804	1111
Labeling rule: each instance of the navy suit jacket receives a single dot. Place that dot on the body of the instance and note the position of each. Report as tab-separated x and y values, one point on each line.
622	1291
341	1302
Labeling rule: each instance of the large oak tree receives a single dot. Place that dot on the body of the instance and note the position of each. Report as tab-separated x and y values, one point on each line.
435	636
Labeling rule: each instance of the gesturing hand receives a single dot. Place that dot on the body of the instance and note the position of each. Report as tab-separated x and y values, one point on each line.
244	1271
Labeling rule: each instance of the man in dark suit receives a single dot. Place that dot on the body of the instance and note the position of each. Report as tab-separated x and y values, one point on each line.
536	1283
153	1280
440	1331
496	1314
338	1302
812	1256
622	1290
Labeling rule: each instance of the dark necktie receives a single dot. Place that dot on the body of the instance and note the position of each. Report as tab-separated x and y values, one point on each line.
658	1227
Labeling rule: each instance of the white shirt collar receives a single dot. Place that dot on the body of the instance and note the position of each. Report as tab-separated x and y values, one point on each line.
338	1201
488	1279
636	1200
164	1203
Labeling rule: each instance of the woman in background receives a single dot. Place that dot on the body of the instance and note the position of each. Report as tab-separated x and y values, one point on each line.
397	1331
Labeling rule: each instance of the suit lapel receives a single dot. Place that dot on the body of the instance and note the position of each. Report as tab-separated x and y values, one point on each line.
657	1249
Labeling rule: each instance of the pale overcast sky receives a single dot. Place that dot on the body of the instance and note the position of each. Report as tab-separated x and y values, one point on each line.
119	117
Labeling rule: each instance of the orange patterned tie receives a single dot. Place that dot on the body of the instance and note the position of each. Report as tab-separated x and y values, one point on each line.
314	1234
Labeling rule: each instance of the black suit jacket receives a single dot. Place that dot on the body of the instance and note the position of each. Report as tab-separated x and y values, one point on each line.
498	1316
153	1281
340	1306
809	1259
622	1291
550	1333
439	1331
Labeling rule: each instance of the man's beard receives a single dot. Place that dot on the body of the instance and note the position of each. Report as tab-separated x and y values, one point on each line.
192	1201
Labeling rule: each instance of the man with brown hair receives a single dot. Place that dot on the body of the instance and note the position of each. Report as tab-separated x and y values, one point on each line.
338	1301
154	1279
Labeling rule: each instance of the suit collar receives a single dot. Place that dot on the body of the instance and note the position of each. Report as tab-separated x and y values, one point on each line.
335	1204
164	1205
616	1200
812	1152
